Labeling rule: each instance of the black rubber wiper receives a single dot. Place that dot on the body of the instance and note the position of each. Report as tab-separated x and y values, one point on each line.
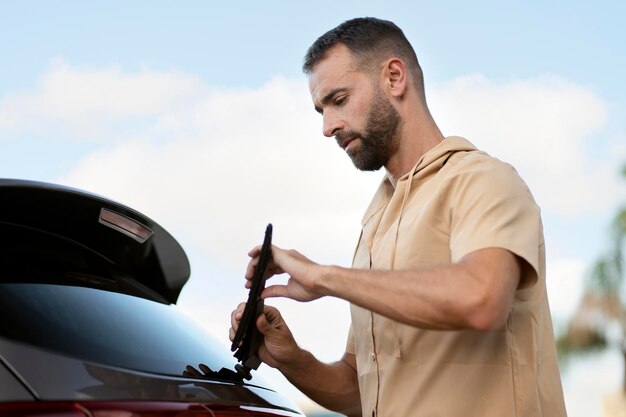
248	338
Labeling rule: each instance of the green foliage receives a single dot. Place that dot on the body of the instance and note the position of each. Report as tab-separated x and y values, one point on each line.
605	277
570	345
603	305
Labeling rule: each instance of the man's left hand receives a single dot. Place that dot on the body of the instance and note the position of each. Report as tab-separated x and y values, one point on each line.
303	283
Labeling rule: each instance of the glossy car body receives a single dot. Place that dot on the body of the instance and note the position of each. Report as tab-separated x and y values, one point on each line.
88	323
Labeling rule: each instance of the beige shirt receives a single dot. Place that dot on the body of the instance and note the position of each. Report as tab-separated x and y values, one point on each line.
456	200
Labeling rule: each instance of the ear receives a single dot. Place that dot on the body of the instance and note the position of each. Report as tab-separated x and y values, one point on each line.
395	77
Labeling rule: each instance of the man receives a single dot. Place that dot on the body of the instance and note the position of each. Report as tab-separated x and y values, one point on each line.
447	290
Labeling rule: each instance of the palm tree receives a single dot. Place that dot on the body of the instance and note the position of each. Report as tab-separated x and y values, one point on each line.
600	319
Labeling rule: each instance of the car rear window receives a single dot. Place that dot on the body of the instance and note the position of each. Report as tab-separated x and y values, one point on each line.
107	327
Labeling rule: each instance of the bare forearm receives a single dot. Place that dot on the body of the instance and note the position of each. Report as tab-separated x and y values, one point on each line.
400	296
334	385
453	296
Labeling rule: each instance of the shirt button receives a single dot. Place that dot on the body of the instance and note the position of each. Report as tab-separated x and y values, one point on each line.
373	357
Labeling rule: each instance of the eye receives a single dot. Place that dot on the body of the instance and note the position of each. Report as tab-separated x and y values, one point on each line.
340	100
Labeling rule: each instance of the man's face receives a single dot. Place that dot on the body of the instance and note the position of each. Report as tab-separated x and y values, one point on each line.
355	110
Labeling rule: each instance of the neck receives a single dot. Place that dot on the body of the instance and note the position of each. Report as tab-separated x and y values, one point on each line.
418	135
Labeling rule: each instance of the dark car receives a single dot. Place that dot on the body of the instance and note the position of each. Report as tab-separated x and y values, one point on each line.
89	325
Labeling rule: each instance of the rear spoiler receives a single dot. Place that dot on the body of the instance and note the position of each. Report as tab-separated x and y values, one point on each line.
133	244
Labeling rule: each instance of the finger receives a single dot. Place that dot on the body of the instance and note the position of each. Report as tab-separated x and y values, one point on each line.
231	335
234	321
254	253
271	313
263	324
236	315
275	291
275	265
249	275
251	268
273	269
268	320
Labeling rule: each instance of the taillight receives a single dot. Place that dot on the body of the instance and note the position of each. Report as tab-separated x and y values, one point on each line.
146	409
133	409
41	409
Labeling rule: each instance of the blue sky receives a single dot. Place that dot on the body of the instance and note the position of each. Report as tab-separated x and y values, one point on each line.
182	109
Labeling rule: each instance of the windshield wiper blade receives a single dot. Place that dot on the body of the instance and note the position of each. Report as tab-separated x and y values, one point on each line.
248	338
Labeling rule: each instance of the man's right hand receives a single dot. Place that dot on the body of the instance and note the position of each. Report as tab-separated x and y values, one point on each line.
279	348
334	386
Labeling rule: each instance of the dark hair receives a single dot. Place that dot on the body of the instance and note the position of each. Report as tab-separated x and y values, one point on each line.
371	41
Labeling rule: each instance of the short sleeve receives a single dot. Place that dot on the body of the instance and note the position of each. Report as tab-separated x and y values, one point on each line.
493	207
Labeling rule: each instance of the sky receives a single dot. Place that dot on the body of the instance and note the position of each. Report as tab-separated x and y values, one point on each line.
197	114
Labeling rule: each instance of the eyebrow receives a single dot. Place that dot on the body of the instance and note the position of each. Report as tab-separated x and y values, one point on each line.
328	97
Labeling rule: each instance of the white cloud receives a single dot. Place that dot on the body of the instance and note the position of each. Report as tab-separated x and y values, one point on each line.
547	127
565	285
96	103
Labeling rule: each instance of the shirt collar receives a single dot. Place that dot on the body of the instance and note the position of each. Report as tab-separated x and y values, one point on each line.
429	163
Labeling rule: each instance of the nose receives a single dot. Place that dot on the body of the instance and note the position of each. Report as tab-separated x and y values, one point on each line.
331	124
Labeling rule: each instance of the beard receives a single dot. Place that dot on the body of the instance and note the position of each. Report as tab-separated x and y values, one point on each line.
379	139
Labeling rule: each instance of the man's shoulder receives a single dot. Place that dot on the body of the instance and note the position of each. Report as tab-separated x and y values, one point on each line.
479	162
477	169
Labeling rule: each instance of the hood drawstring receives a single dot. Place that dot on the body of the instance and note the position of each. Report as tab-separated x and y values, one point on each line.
407	190
396	332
